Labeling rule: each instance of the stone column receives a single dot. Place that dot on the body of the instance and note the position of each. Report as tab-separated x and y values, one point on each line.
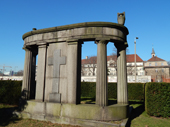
28	84
74	71
122	93
41	70
101	84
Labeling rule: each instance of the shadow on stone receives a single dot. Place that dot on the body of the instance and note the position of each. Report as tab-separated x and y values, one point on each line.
22	101
111	102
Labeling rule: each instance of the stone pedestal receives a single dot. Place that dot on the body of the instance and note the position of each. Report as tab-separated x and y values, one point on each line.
122	93
74	71
28	84
101	84
41	71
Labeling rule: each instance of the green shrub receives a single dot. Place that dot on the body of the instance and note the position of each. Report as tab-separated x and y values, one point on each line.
112	90
10	92
88	89
136	91
157	99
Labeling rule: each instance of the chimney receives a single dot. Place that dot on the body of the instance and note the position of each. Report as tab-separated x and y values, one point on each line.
86	57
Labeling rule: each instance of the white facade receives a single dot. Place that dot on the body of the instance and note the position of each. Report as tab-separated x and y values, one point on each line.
130	79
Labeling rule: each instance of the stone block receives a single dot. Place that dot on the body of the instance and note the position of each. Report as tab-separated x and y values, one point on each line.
63	89
62	34
48	89
37	37
78	31
55	97
48	36
53	109
98	30
30	38
55	85
35	107
90	30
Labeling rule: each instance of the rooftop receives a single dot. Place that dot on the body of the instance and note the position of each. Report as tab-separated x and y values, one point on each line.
129	58
155	58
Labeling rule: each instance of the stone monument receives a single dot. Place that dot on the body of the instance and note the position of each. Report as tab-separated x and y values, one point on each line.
55	96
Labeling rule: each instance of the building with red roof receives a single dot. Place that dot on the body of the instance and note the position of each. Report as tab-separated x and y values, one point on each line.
89	65
157	68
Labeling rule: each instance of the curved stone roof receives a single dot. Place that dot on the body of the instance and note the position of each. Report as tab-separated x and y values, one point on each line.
77	25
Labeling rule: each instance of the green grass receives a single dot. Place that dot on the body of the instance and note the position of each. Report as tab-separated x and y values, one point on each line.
139	118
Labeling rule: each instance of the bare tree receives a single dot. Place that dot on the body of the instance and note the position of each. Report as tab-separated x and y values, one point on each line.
113	61
89	65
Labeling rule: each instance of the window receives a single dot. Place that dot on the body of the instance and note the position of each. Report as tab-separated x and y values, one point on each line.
155	64
156	70
162	70
162	64
149	64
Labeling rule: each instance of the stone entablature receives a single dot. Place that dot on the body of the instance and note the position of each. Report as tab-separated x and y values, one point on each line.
87	31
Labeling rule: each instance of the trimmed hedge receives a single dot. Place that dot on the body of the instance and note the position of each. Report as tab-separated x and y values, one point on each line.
157	99
112	90
135	90
10	92
88	89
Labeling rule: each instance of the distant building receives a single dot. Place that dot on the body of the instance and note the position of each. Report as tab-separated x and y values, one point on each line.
89	65
157	68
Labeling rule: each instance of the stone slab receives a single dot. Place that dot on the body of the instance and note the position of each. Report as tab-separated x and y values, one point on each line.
55	97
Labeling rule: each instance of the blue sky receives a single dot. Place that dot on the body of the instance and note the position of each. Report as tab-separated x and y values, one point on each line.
146	19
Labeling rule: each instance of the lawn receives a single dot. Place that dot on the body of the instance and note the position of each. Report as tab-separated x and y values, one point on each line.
138	118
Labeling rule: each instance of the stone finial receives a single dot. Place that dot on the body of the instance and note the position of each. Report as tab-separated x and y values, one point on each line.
121	18
34	28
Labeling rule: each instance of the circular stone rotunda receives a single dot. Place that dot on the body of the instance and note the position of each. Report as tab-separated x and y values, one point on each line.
55	95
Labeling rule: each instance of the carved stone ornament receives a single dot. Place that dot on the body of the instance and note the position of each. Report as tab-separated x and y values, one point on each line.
121	18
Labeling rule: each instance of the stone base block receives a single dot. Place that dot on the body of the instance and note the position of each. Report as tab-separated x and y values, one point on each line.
81	114
55	97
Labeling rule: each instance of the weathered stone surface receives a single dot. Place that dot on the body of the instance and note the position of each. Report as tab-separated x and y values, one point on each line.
77	31
48	36
81	111
41	72
101	84
28	84
122	93
55	97
56	61
72	72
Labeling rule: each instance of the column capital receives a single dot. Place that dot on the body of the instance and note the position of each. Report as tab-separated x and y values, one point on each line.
102	41
74	41
121	45
26	48
42	46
